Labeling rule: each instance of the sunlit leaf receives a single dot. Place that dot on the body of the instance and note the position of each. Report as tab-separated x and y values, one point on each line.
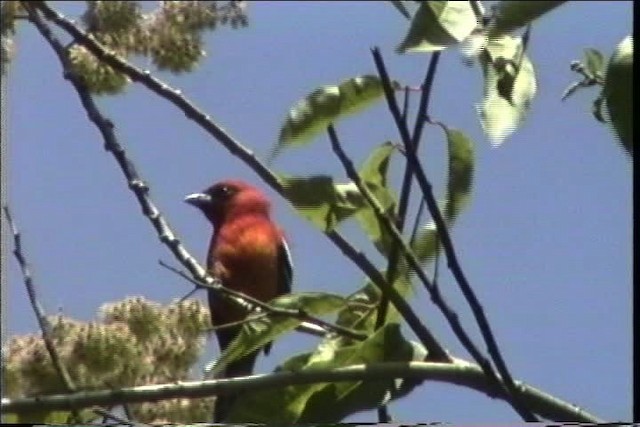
460	180
359	316
322	201
331	402
509	87
594	62
618	93
255	334
324	106
515	14
437	25
374	175
459	186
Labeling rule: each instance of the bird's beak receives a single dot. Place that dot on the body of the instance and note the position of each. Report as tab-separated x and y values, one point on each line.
199	200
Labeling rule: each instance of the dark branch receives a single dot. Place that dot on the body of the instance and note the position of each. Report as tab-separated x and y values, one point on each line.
433	346
277	311
236	149
460	373
452	260
43	322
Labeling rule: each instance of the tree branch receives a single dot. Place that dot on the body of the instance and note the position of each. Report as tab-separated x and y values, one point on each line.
460	373
433	345
235	148
278	311
43	322
141	191
447	243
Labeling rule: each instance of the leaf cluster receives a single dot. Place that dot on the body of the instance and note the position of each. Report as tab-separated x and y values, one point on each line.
170	35
136	342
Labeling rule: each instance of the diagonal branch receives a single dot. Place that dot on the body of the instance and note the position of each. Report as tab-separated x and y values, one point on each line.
405	191
149	209
447	244
43	322
278	311
459	373
352	173
235	148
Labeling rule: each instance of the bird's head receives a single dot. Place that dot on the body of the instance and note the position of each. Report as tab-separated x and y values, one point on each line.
227	198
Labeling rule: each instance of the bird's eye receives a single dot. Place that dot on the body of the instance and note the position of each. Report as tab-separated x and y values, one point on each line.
222	192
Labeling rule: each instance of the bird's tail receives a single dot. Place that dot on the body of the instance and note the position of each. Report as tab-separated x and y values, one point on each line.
238	368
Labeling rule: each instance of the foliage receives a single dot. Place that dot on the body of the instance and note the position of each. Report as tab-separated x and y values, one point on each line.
308	403
170	35
614	104
136	342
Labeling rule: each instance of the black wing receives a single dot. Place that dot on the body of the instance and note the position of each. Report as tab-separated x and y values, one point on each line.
285	271
285	267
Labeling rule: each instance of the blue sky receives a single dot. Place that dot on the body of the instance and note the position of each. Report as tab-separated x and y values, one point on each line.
545	242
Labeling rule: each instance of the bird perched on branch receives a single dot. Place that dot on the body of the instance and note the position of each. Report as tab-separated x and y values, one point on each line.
249	254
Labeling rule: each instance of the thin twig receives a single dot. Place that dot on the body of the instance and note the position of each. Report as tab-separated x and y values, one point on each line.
236	149
405	191
167	236
250	318
352	173
459	373
43	322
452	260
278	311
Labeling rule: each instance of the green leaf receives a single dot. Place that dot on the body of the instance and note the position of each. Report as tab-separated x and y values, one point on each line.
331	402
359	314
594	62
324	106
437	25
255	334
509	87
52	417
322	201
374	176
362	311
618	93
400	7
374	169
459	186
515	14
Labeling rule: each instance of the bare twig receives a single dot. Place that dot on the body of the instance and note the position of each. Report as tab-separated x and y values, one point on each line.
452	260
387	222
236	149
43	322
250	318
459	372
405	191
278	311
141	191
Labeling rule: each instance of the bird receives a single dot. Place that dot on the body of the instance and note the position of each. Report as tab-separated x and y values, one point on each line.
248	253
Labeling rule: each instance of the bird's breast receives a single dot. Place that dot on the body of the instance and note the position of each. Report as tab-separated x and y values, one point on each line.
245	257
